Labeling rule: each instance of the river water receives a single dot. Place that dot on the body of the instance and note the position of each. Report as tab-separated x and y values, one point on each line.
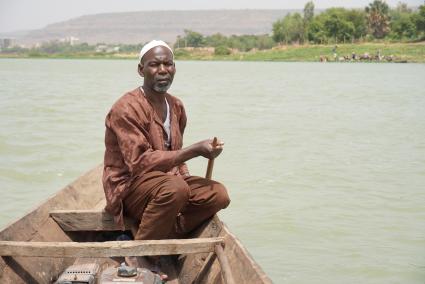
325	163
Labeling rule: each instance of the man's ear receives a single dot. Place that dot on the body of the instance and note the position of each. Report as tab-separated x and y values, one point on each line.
140	69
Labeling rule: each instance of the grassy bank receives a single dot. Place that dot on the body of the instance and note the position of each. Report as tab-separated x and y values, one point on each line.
394	52
400	52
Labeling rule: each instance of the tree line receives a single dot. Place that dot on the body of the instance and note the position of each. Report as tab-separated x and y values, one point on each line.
331	26
223	43
334	25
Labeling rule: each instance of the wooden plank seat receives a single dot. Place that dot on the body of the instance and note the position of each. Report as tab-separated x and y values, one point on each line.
88	220
109	249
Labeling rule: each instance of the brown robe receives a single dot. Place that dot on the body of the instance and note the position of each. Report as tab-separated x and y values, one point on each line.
135	145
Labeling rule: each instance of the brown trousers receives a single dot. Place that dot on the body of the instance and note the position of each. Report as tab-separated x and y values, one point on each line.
172	206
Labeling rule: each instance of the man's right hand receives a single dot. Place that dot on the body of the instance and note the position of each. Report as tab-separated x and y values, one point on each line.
202	148
206	149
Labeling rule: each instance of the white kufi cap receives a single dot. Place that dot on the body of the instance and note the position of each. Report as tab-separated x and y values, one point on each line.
152	44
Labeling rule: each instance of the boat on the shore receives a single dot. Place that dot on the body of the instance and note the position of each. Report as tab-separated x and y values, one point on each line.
69	235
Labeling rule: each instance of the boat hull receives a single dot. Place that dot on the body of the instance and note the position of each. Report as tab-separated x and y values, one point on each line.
87	193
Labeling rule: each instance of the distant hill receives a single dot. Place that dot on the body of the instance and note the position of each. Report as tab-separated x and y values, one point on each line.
139	27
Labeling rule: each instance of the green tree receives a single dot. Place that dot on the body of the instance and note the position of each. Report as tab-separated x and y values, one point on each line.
264	42
308	12
191	38
419	20
289	29
216	40
221	50
378	18
244	42
336	25
308	17
278	33
403	27
316	32
402	22
358	18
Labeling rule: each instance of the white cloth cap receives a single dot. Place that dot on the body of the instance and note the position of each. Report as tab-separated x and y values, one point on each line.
152	44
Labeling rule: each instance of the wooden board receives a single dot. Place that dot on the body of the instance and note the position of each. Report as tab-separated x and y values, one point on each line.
243	267
36	225
191	265
87	220
108	249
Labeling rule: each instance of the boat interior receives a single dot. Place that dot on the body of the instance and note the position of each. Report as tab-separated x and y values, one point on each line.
70	233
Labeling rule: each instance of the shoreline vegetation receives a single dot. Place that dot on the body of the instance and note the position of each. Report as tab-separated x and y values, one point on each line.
376	33
357	52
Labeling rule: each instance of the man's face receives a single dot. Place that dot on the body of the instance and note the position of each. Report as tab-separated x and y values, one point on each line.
158	69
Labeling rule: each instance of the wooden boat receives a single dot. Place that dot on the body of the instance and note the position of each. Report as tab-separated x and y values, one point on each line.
70	228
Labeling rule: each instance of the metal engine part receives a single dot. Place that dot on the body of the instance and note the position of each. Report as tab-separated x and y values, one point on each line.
79	273
143	276
126	271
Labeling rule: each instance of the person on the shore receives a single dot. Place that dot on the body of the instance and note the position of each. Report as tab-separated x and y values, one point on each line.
145	176
334	52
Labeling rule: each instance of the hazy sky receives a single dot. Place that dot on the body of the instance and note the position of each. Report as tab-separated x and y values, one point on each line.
34	14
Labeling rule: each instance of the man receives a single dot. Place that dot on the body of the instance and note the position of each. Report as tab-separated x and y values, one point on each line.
145	175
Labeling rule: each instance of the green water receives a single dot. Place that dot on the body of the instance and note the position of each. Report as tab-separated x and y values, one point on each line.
325	163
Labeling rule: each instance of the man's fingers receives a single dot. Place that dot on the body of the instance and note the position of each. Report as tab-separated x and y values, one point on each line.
219	143
218	147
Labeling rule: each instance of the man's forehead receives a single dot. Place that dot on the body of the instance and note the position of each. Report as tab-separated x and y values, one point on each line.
158	53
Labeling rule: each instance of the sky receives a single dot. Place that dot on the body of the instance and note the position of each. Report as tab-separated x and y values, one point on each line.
16	15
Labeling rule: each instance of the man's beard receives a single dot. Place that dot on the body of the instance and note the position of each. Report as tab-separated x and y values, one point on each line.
162	88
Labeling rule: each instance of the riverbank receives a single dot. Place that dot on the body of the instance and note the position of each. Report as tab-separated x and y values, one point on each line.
367	52
364	52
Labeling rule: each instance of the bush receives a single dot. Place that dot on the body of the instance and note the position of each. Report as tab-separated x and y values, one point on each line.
181	53
34	53
222	50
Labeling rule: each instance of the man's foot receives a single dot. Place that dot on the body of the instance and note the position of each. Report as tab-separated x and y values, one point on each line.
150	263
153	264
131	261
